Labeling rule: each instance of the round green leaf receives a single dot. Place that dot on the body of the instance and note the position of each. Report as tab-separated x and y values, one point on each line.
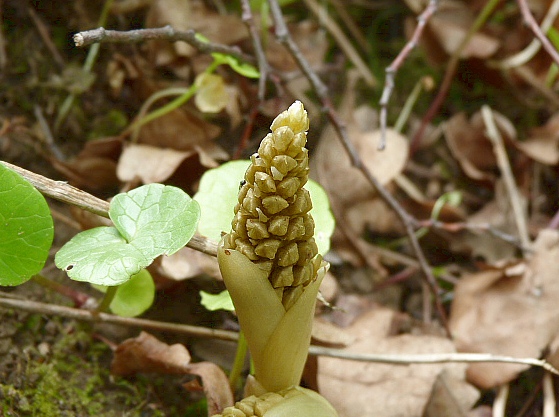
221	185
217	196
134	296
26	229
150	221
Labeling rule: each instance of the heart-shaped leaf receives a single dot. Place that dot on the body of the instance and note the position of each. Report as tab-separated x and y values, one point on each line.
26	229
150	221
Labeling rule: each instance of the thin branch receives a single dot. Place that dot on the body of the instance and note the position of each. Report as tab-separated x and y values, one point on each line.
9	301
393	68
506	171
531	22
263	65
62	191
166	33
284	37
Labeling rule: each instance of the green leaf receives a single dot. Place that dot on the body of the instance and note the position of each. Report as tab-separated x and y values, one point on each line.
222	184
26	229
134	296
221	301
243	68
150	221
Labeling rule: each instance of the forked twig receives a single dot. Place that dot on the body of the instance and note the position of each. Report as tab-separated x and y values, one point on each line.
284	37
397	63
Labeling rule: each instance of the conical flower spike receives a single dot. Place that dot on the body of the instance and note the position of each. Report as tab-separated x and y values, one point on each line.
270	261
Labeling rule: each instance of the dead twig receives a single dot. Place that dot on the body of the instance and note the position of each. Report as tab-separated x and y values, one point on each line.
166	33
508	177
62	191
535	27
9	301
285	38
263	65
393	68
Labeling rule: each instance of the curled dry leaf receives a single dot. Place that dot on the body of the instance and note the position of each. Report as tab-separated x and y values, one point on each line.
353	388
508	312
146	354
179	129
94	168
542	144
471	148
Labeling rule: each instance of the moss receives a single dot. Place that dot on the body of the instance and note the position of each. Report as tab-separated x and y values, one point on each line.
72	379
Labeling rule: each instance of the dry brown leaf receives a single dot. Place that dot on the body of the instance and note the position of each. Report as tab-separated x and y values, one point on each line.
450	26
188	263
469	145
95	166
328	334
149	163
347	188
179	130
514	315
499	214
146	354
383	390
446	398
215	384
542	144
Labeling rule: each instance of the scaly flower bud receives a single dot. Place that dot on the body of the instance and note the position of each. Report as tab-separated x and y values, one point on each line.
293	402
272	225
270	261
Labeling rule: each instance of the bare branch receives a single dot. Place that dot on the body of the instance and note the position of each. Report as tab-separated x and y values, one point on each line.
393	68
166	33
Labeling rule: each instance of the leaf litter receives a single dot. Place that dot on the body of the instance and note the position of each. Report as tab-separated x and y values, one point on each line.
500	299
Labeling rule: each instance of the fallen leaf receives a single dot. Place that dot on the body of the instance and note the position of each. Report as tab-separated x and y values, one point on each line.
384	390
513	315
179	130
188	263
94	167
149	163
447	397
347	187
146	354
542	143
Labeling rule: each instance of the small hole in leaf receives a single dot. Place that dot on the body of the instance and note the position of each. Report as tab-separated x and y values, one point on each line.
69	268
